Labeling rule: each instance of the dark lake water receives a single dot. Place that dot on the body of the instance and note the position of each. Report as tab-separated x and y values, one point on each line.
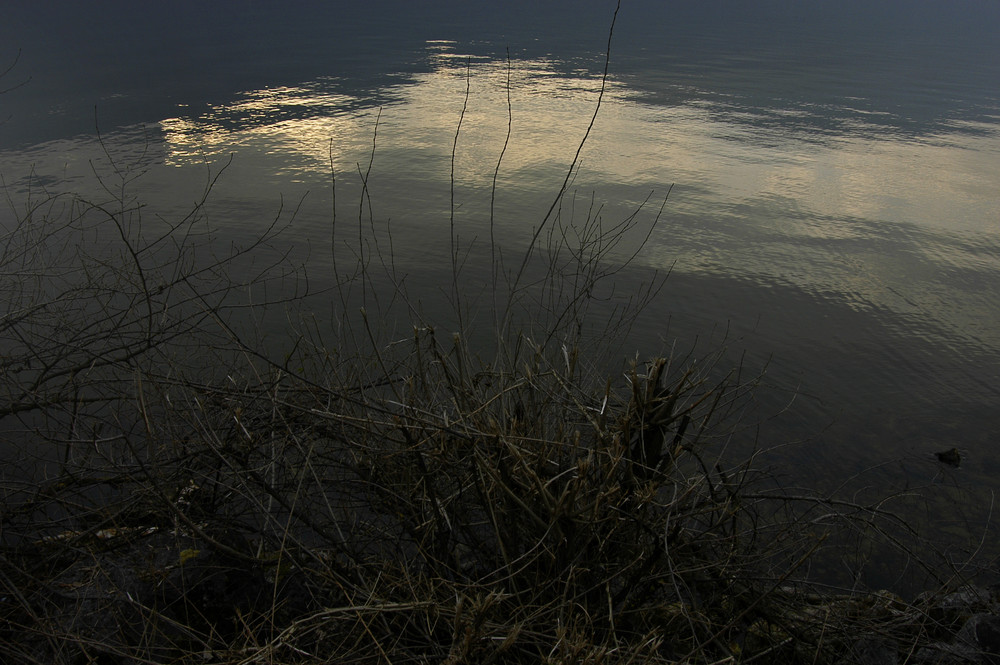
835	173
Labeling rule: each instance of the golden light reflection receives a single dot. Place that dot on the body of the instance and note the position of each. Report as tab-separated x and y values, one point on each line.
298	124
751	198
636	144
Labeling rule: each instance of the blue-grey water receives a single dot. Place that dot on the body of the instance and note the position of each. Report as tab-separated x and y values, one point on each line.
835	172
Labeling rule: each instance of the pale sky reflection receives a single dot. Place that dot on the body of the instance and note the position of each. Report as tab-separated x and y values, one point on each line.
751	199
634	144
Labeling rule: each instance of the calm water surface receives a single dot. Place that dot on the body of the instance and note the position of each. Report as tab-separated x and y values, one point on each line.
835	209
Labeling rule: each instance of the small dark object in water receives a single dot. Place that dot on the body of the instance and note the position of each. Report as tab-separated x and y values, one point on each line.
950	457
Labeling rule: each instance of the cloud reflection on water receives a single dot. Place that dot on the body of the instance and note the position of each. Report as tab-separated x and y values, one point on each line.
761	193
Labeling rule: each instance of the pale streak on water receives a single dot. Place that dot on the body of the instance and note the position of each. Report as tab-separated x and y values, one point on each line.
748	203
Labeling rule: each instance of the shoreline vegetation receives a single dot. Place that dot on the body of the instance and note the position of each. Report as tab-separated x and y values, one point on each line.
178	487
